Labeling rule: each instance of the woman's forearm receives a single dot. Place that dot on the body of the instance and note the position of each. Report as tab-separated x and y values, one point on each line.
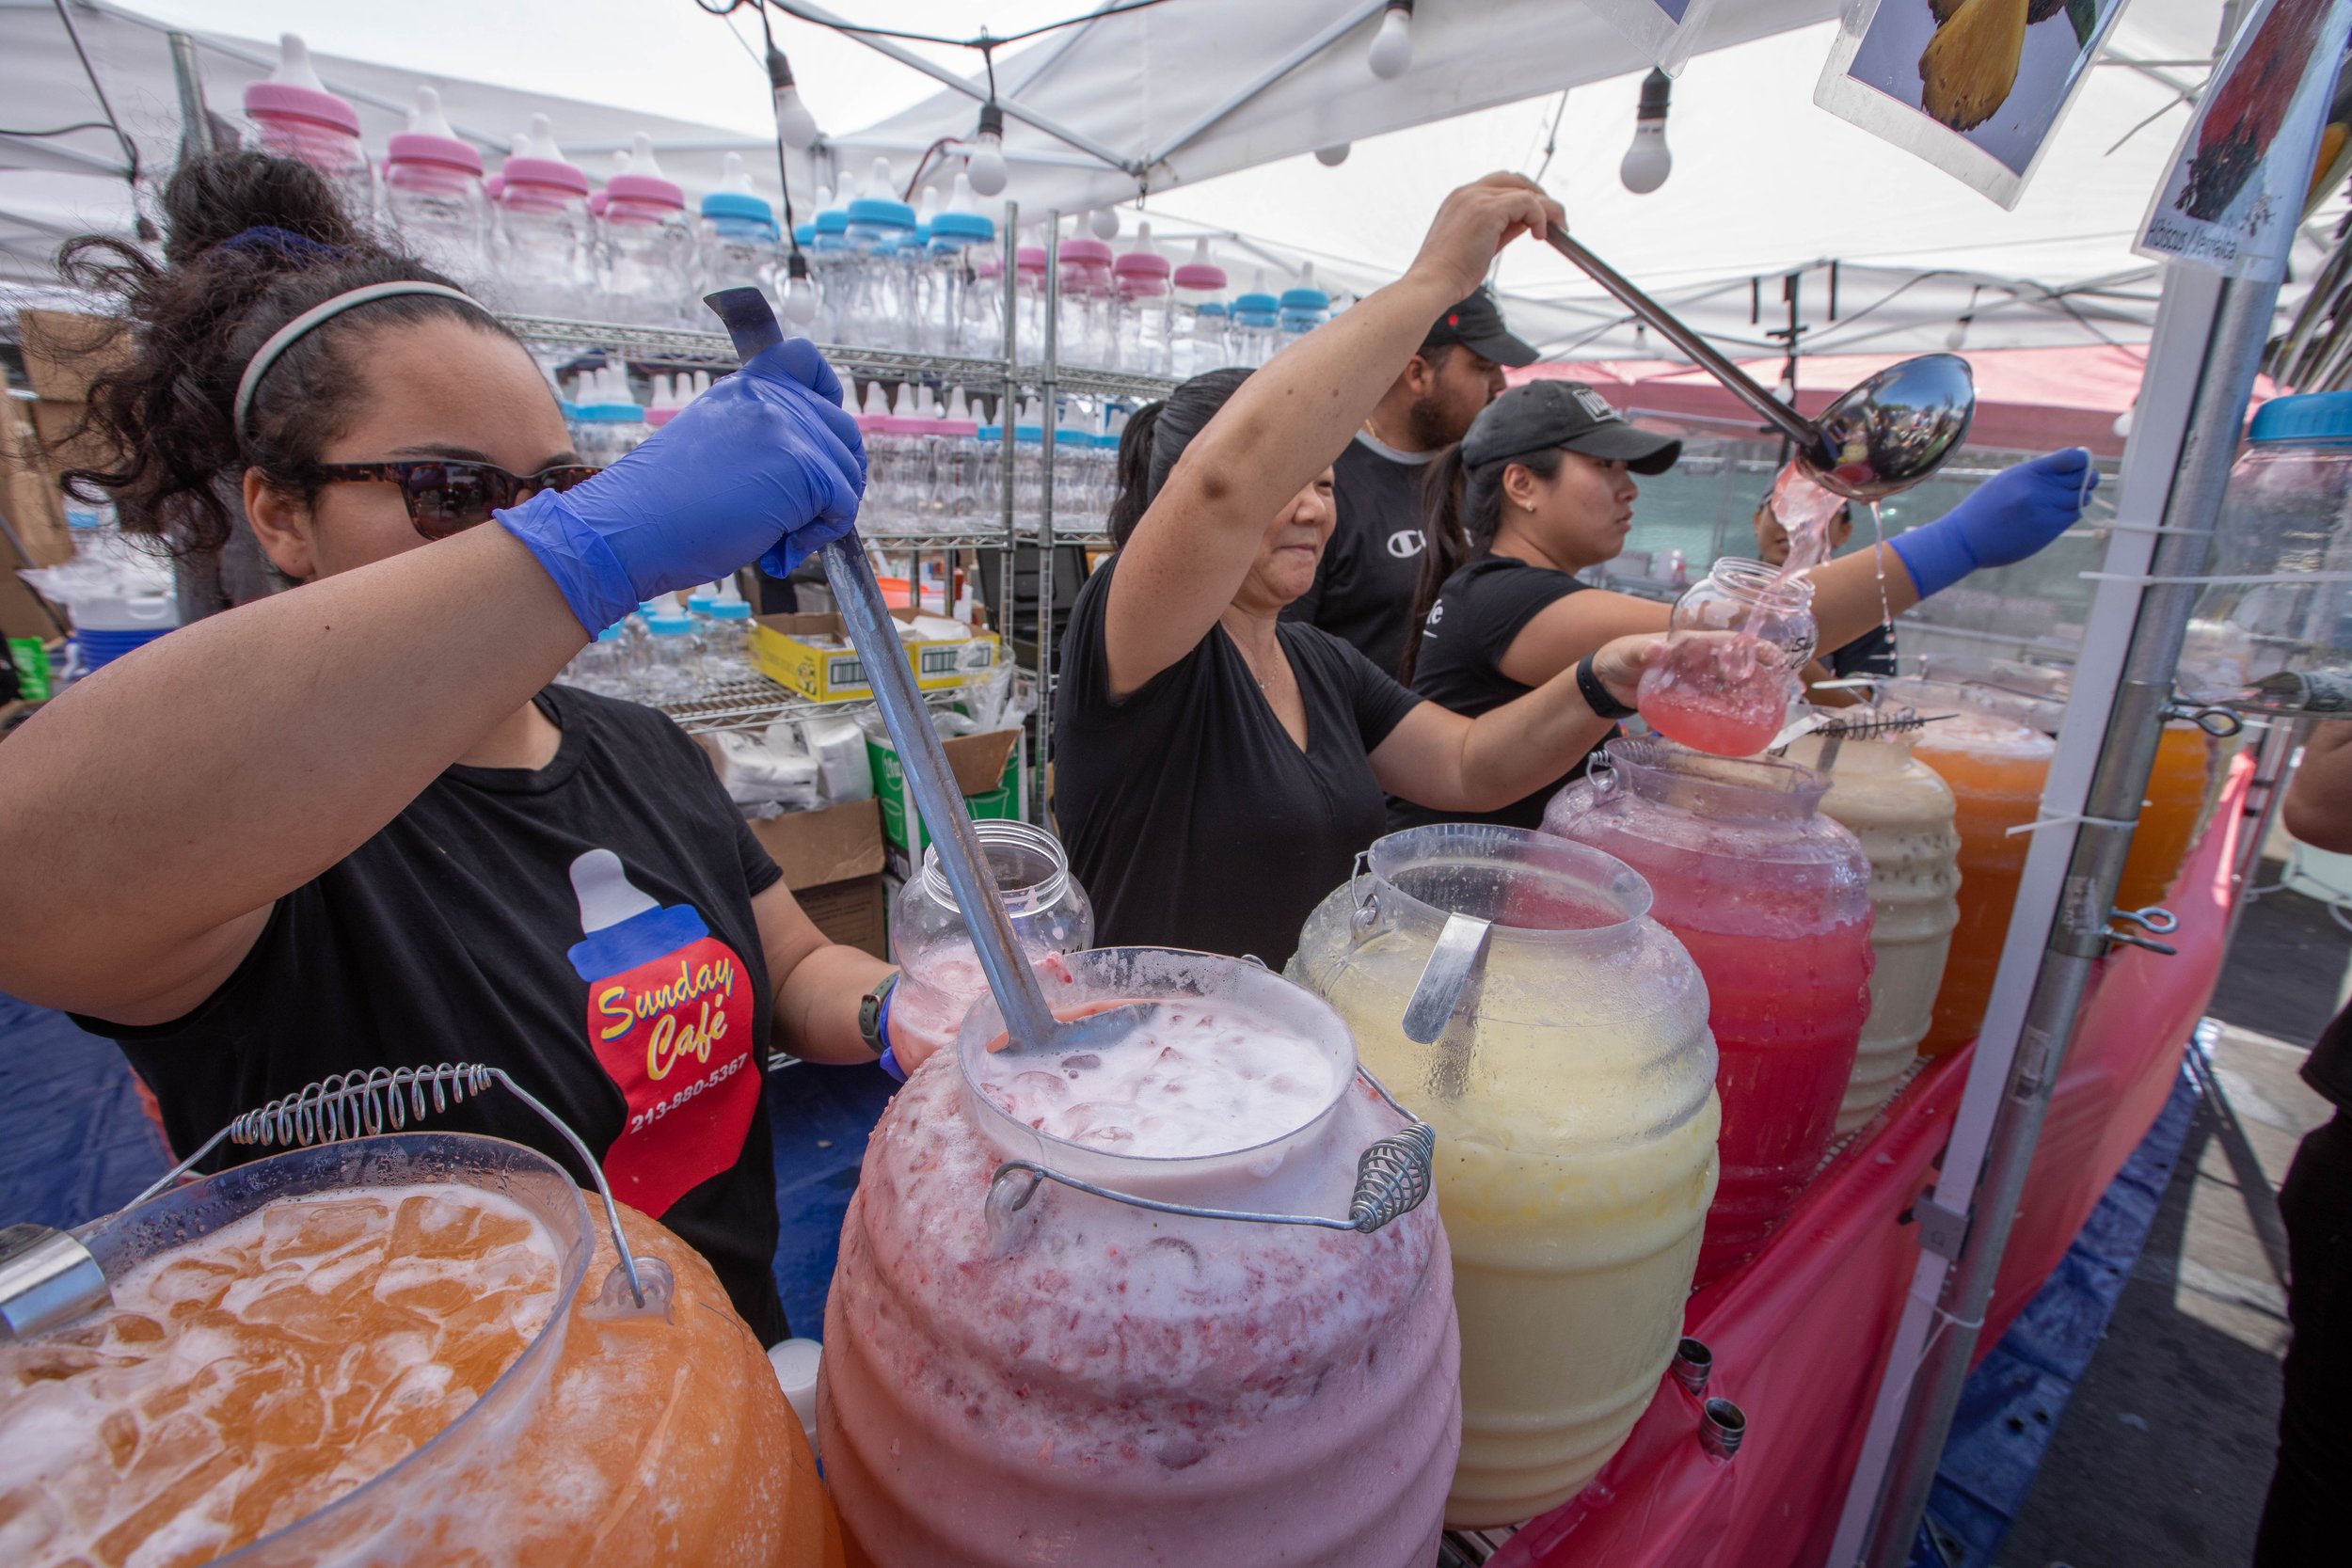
816	1005
202	778
1440	759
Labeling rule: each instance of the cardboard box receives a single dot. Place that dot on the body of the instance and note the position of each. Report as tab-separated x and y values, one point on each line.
832	844
988	775
66	351
23	612
850	912
785	649
29	499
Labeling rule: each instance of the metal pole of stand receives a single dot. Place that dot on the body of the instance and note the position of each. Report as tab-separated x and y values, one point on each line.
2080	933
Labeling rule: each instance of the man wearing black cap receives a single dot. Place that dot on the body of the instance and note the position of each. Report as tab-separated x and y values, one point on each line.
1363	589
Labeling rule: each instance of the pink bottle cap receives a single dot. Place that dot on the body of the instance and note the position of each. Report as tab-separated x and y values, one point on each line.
1200	275
287	100
415	147
1078	251
495	185
598	202
550	172
649	189
1030	258
659	416
1141	263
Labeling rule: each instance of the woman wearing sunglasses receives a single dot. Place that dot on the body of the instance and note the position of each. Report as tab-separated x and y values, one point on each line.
352	825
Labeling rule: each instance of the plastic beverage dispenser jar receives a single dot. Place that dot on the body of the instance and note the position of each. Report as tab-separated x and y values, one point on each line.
969	312
1901	810
545	237
1090	298
2285	622
1140	313
433	194
293	116
741	245
1738	638
1772	899
1572	1089
1301	309
1196	316
1996	770
1017	1371
940	974
406	1348
649	246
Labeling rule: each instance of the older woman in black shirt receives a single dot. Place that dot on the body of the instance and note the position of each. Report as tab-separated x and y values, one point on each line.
1219	767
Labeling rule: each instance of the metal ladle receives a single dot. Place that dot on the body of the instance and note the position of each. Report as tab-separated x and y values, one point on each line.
1029	1025
1887	434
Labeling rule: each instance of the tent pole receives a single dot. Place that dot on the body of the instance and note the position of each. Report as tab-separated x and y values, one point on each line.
196	122
2079	935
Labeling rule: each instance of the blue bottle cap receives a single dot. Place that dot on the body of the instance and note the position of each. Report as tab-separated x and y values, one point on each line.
1306	299
735	204
880	213
2307	417
963	226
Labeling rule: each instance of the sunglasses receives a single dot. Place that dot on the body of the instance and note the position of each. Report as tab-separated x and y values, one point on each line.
446	496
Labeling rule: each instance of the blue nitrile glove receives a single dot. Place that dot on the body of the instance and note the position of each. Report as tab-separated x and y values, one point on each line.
888	1062
764	465
2010	516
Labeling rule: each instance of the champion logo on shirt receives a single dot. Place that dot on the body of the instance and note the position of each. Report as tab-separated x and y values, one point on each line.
1436	613
1406	543
669	1010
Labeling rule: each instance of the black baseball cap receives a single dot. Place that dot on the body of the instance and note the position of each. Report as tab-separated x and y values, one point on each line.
1476	324
1544	414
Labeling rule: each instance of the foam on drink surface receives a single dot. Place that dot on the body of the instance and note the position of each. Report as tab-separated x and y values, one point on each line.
247	1380
1203	1078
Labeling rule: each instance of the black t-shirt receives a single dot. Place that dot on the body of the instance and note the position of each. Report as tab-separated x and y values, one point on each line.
1480	608
2328	1068
1872	654
1191	817
456	935
1364	592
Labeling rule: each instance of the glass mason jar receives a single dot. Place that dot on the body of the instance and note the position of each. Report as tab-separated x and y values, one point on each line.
2288	618
1772	899
1573	1093
940	974
591	1406
1738	641
1159	1387
1901	810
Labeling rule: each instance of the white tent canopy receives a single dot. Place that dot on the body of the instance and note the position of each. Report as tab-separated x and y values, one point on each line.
1163	97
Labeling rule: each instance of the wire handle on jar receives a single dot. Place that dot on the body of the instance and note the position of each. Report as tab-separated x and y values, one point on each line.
1393	1178
366	1104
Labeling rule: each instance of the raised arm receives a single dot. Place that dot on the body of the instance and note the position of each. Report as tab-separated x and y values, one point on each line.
162	805
1440	759
1192	548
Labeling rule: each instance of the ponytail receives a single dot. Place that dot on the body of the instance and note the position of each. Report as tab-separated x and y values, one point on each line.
1462	507
1134	477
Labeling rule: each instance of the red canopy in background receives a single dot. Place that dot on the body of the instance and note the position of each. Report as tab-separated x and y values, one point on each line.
2027	398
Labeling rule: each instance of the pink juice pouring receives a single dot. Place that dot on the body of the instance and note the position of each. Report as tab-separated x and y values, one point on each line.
1083	1381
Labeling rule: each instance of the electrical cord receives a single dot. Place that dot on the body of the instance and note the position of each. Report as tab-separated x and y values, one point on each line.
98	90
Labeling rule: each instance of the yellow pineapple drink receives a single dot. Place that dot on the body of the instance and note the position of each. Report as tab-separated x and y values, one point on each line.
1573	1096
1901	810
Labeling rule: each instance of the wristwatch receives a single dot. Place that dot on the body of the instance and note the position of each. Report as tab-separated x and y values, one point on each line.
1597	695
873	1014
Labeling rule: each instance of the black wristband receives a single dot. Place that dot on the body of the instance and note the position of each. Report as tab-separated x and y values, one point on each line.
1597	695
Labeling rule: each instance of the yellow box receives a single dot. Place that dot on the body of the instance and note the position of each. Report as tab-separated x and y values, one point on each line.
787	650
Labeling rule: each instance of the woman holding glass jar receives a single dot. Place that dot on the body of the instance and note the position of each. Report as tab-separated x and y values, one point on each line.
1543	487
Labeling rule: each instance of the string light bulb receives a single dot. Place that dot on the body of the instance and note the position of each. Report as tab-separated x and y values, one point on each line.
1392	53
1956	339
800	295
1648	161
794	123
985	164
1333	155
1105	222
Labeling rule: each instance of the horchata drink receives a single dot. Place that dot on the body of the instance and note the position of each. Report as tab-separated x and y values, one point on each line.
366	1375
1014	1376
1771	898
1996	770
1572	1090
1901	810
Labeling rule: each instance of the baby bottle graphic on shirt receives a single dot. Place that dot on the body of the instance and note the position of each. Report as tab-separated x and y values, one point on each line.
670	1011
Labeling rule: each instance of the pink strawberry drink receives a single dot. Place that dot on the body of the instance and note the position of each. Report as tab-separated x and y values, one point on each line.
1071	1379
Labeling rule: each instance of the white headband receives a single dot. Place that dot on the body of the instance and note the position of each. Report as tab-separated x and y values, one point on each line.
288	334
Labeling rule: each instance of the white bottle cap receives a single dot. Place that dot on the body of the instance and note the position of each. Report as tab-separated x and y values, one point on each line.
294	64
879	186
702	383
621	160
903	404
425	117
825	201
957	408
606	896
519	145
796	1362
542	140
738	179
725	591
928	208
641	159
876	403
960	199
